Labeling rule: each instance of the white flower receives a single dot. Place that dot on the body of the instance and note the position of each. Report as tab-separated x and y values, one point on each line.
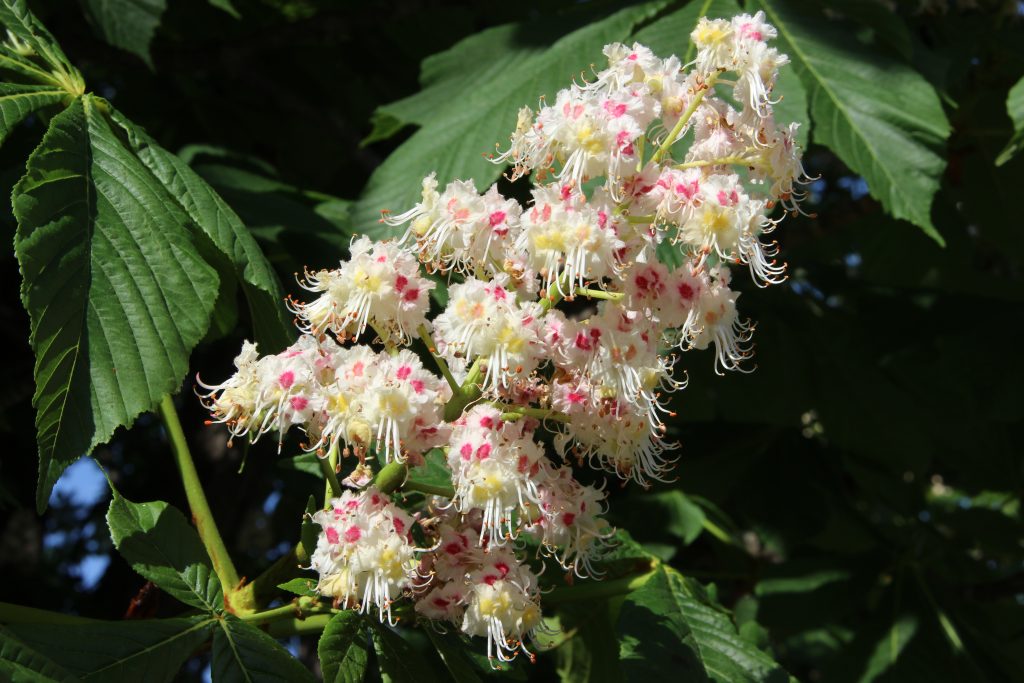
504	612
729	223
568	240
495	467
569	524
390	401
485	590
617	349
459	228
272	393
234	401
718	323
483	319
380	286
364	552
616	436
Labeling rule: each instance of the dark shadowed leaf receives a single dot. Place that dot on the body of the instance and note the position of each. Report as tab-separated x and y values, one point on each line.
244	653
469	100
127	24
225	230
669	624
18	101
895	143
136	650
19	662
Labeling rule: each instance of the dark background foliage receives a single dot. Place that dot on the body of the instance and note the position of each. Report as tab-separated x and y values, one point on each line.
867	478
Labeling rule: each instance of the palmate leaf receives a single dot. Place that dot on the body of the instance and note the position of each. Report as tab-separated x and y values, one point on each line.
24	26
399	662
882	118
18	101
668	624
145	650
127	24
245	653
344	648
229	235
469	100
164	548
19	662
116	293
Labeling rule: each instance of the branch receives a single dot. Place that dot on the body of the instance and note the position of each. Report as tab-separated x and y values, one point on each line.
201	514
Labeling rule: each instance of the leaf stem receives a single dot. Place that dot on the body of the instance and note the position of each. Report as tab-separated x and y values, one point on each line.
329	466
431	489
684	118
264	587
390	477
738	160
299	608
440	362
549	301
515	412
200	508
952	635
467	393
298	627
718	532
599	294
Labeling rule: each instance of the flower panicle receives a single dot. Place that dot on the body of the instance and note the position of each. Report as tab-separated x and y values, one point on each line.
649	189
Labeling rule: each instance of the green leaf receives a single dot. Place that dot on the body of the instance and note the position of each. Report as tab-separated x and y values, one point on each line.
680	516
1015	108
126	24
309	531
164	548
344	649
18	101
469	100
20	663
225	229
24	26
433	472
245	653
591	655
452	651
669	624
888	27
150	650
882	118
792	103
115	292
670	34
307	463
225	6
299	228
305	587
399	662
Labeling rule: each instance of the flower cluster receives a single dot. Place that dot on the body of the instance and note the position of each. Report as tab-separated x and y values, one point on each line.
651	181
365	553
334	394
486	590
